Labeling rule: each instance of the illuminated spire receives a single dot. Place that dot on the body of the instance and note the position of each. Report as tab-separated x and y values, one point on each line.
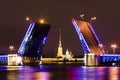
60	50
60	42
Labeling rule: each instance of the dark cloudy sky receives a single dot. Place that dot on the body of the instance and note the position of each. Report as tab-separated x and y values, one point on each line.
58	13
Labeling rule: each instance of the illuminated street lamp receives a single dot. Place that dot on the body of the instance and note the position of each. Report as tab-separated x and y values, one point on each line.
27	18
11	48
42	21
113	46
93	18
82	16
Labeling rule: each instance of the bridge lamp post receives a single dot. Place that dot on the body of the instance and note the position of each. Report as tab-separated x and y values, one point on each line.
11	48
92	19
113	46
82	16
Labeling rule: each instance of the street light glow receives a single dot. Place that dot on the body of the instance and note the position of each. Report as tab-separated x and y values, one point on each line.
93	18
82	16
11	48
42	21
27	18
113	46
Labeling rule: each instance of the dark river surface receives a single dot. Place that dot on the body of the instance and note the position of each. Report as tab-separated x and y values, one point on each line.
59	72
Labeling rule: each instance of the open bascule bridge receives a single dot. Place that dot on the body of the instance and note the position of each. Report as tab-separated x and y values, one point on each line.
92	47
31	48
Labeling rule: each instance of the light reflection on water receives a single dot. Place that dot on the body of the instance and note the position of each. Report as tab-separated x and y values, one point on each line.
59	72
113	73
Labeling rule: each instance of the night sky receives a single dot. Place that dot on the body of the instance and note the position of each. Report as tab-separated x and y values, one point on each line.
58	13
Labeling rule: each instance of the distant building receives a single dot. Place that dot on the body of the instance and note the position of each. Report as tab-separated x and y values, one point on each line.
60	49
32	45
68	54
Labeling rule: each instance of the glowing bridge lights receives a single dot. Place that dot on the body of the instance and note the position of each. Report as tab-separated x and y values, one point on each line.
27	35
44	40
109	58
81	37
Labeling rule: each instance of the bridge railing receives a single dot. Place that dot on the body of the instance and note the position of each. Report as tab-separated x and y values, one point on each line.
107	58
3	58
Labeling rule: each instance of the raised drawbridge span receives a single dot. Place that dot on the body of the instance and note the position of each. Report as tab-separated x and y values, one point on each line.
94	54
89	40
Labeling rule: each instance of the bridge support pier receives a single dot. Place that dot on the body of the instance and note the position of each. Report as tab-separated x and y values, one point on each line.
14	60
91	60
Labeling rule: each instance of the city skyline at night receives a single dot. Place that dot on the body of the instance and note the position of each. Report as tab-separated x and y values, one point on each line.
58	13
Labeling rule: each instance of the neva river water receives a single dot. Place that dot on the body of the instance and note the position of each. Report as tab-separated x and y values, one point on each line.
59	72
